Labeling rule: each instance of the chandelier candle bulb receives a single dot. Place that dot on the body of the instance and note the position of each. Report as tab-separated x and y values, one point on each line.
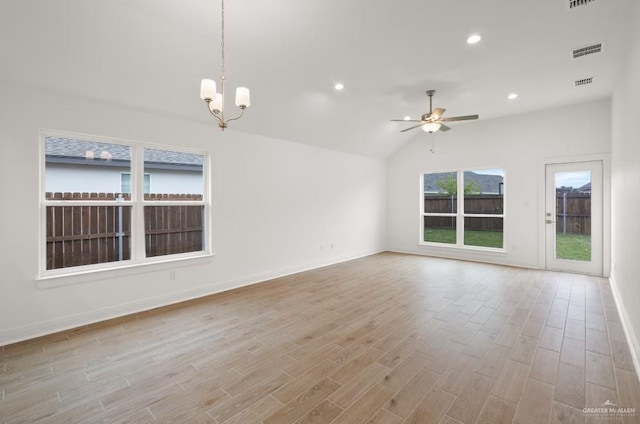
208	89
243	97
216	103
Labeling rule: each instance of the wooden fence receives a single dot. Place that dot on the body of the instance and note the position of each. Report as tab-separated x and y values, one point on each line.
573	212
477	203
84	235
477	224
480	204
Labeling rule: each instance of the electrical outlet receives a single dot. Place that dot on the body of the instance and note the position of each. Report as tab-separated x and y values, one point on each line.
172	274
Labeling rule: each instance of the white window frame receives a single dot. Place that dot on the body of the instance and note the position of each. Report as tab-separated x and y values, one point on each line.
137	203
460	214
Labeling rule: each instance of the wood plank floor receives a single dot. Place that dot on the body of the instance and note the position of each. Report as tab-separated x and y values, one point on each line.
385	339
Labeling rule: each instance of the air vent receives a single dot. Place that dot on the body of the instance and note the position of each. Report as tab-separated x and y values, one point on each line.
584	81
587	50
572	4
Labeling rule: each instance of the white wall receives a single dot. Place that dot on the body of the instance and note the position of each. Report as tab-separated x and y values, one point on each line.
278	207
625	187
518	144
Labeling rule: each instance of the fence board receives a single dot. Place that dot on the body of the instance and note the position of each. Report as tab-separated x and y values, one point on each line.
67	245
94	256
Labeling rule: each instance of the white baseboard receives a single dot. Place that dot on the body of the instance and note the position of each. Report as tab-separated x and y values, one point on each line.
489	257
32	331
630	334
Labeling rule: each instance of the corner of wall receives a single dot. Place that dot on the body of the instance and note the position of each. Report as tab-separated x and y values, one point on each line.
630	334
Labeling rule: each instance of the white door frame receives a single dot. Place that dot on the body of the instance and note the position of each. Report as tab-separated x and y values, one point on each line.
606	205
594	264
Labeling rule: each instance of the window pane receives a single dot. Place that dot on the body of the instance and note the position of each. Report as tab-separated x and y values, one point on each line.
147	184
440	229
485	232
173	229
125	178
84	167
85	235
573	215
173	175
440	192
484	192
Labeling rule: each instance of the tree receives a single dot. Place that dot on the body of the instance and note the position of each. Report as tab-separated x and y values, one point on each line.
449	185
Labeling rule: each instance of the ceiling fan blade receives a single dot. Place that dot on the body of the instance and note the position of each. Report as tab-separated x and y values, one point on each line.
459	118
437	113
415	126
405	120
443	127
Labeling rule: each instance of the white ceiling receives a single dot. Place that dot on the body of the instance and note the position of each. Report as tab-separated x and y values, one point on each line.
152	54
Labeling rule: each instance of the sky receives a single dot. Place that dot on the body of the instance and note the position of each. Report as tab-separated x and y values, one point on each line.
491	172
574	179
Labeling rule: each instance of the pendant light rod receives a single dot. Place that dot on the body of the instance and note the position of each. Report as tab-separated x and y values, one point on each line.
430	93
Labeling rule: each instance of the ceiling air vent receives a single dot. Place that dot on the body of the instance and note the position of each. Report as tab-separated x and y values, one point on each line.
584	81
572	4
587	50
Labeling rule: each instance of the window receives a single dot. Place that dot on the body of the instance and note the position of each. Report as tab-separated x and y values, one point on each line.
125	183
99	210
474	219
440	207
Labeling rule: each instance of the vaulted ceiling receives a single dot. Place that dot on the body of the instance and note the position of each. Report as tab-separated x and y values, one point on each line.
152	54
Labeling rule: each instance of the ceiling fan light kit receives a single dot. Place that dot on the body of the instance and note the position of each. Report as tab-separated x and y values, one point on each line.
431	127
433	121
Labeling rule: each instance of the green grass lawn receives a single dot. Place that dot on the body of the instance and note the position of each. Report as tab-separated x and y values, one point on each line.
440	235
575	247
471	237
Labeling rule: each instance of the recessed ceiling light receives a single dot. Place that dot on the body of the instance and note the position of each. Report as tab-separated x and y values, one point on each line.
339	86
407	118
474	39
512	96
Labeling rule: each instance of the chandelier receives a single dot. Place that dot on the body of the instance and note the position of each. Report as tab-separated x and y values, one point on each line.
215	100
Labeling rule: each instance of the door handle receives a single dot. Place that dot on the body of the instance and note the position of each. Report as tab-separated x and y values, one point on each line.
548	221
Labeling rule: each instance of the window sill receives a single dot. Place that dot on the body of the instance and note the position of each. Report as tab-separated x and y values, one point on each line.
80	276
472	249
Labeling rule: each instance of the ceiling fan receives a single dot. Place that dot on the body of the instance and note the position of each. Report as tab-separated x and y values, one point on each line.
433	121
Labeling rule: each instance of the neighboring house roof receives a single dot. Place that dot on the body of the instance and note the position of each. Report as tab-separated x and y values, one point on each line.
582	189
65	150
585	188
